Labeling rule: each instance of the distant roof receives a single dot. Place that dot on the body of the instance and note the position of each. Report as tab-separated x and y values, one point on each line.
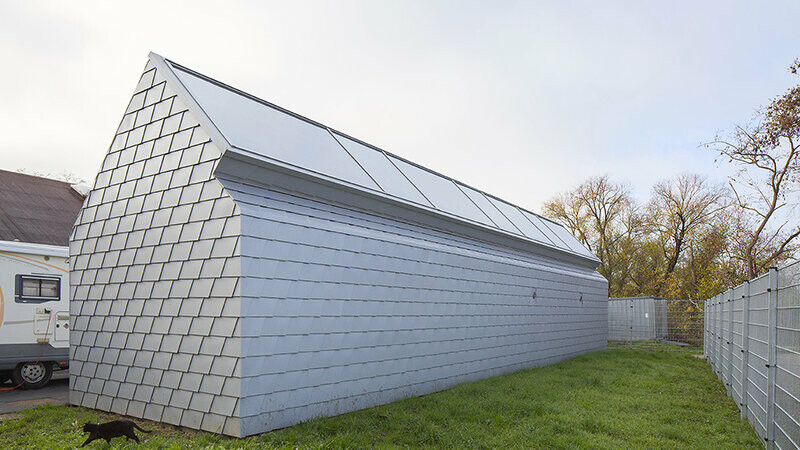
254	127
37	210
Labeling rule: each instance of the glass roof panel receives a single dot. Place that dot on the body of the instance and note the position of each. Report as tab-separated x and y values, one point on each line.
516	217
539	224
442	192
390	179
262	129
567	237
257	126
489	209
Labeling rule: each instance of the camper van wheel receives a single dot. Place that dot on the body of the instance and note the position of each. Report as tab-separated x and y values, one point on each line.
32	375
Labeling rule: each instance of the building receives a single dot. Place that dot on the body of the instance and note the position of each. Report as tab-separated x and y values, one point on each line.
37	210
239	268
36	217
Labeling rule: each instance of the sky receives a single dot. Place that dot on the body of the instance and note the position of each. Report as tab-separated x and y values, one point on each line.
520	99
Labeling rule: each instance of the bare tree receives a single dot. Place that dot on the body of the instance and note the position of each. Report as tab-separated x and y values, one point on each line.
677	245
567	209
602	215
766	153
677	213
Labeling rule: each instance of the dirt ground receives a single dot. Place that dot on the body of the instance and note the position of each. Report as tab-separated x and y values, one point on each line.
55	392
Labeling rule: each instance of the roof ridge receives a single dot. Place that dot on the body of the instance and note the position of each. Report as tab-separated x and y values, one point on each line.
36	176
36	209
166	67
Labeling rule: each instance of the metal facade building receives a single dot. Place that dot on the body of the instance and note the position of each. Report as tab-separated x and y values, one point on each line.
239	268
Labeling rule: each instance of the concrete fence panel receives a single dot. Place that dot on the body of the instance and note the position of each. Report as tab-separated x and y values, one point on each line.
752	341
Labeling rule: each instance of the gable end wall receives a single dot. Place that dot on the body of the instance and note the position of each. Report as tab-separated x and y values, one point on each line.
154	275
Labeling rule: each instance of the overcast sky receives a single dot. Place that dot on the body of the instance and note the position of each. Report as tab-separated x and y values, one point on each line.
520	99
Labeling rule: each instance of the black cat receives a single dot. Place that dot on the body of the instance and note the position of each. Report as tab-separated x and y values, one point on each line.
109	430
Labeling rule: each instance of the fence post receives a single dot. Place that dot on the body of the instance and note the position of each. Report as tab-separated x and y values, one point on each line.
727	338
714	333
710	308
771	355
712	324
725	342
705	329
630	325
720	342
745	346
711	331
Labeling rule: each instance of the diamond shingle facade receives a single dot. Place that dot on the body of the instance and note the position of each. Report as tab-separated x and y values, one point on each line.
155	269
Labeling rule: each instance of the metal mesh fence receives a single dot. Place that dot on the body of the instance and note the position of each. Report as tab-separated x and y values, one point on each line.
752	341
635	319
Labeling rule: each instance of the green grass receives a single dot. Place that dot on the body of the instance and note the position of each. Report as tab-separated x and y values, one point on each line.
653	396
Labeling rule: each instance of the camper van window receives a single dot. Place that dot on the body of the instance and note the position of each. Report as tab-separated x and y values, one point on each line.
35	289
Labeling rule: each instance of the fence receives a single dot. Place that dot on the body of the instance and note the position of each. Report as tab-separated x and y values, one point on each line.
752	341
650	318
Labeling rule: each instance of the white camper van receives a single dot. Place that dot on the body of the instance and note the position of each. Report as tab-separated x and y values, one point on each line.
36	217
34	312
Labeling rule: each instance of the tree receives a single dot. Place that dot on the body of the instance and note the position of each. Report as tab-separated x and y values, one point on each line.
675	246
766	153
679	212
602	215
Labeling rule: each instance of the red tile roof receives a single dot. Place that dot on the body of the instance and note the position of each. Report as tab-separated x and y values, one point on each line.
37	210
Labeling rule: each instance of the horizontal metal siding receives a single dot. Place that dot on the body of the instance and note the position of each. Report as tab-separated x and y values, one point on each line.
344	309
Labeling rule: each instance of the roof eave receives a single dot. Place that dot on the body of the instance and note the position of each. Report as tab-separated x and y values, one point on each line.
250	157
30	248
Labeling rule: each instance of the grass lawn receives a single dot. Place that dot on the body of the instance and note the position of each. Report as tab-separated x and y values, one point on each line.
654	396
